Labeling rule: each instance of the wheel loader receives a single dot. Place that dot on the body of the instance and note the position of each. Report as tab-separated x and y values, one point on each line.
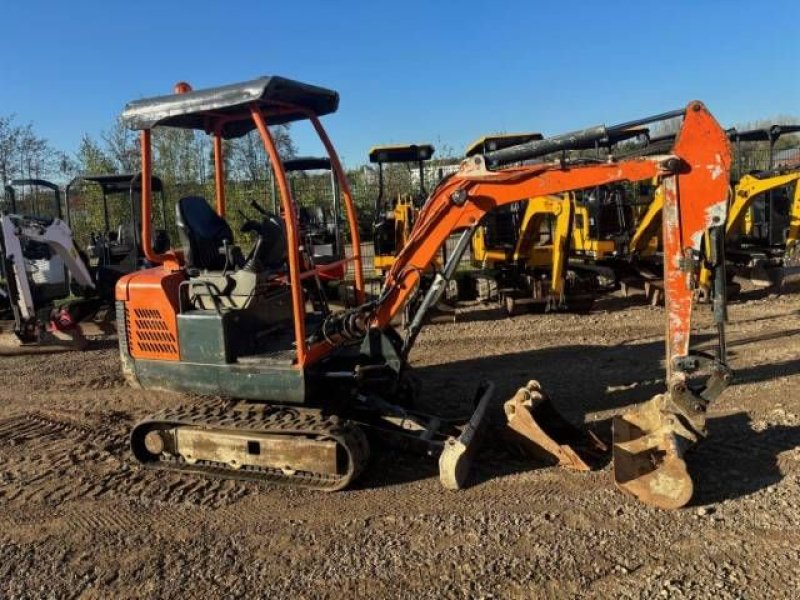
311	388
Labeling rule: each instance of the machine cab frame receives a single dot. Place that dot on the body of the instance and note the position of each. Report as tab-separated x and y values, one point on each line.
229	112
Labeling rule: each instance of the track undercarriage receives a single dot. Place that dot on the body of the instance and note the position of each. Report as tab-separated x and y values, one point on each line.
303	446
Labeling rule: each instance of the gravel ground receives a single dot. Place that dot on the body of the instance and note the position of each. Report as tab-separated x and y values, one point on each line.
78	518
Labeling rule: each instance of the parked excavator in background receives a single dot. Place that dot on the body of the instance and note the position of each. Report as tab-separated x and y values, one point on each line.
548	251
520	251
314	386
116	249
320	224
394	217
39	266
49	274
764	216
761	247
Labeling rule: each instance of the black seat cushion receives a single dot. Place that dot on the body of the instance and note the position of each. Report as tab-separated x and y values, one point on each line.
203	233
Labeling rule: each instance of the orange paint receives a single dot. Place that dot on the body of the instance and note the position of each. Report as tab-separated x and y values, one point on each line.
352	215
293	250
219	173
151	309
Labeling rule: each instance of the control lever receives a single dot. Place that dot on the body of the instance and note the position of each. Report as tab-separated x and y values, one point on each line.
259	208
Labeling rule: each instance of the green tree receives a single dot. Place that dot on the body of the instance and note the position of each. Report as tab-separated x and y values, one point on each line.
122	147
92	158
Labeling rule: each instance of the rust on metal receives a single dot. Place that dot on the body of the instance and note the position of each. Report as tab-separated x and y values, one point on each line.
239	449
649	445
539	429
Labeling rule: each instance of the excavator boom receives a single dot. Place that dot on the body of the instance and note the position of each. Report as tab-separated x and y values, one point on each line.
311	382
649	440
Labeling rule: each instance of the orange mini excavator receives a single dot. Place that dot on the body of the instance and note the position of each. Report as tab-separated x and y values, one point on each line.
313	387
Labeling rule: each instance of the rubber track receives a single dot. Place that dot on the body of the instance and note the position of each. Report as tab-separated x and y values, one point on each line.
263	419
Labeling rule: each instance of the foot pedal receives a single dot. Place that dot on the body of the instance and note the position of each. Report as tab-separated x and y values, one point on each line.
540	430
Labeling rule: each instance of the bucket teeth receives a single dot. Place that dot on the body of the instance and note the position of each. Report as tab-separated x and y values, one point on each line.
538	429
649	444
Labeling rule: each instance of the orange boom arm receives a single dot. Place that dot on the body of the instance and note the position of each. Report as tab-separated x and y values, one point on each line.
695	179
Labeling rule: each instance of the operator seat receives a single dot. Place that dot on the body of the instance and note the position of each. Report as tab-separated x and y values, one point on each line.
203	234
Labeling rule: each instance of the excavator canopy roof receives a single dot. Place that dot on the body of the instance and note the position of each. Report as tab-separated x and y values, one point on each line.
117	183
34	182
307	163
281	100
401	154
489	143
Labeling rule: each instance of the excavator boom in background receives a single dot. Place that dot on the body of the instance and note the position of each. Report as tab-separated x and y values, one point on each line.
315	386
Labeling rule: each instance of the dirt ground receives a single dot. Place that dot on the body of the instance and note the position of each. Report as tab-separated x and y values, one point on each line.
78	518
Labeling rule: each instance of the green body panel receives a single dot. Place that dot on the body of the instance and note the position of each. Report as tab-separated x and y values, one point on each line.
206	336
278	384
262	380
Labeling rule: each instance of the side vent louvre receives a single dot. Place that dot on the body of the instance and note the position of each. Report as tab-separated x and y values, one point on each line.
149	334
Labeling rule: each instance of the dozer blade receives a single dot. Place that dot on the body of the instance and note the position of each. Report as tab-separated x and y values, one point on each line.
539	429
455	461
649	444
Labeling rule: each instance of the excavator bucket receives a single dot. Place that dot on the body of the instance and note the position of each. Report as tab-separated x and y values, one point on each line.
649	445
538	429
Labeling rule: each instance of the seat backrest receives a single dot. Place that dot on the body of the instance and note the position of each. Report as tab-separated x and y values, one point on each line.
203	233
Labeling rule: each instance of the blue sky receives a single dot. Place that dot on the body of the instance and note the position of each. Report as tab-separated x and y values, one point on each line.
406	71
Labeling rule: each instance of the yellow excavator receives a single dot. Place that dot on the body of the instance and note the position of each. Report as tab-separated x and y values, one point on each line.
764	215
756	255
763	246
523	253
604	215
520	251
395	218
